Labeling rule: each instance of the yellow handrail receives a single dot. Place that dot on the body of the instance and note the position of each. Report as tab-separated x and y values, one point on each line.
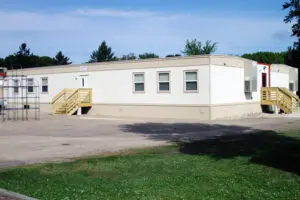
61	94
72	101
58	96
288	92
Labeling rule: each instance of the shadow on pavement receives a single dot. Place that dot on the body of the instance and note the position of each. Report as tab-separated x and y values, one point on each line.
267	148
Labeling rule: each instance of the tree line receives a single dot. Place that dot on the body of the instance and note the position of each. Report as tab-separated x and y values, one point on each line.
23	58
104	53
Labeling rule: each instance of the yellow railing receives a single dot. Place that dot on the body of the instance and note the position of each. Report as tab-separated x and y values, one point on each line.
72	103
59	101
281	97
63	94
69	100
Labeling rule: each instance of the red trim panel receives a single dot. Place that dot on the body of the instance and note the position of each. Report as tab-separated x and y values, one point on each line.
269	68
2	74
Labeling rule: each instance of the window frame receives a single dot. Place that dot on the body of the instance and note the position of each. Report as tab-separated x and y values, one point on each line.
133	82
16	86
27	89
158	81
185	81
44	85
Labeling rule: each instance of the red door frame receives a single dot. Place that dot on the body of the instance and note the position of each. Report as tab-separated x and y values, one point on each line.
269	71
264	79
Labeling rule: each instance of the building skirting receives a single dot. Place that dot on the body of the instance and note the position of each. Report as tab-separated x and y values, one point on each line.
235	110
198	112
46	107
152	111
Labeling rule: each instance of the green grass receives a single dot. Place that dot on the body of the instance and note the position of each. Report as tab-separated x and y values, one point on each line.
227	168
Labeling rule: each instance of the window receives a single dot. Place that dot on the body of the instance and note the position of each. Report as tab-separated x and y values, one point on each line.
44	85
30	85
247	84
139	82
16	86
291	87
191	81
163	81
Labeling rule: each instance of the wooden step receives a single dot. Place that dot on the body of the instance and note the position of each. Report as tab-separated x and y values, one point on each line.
72	111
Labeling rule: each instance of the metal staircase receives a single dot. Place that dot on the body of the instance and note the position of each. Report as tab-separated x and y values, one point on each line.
283	98
69	101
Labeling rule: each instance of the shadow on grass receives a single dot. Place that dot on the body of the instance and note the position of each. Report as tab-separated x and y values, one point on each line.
224	142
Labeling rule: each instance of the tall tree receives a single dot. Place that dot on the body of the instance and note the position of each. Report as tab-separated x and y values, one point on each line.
102	54
293	17
293	58
23	57
23	50
192	47
61	59
129	56
209	47
2	62
148	55
195	47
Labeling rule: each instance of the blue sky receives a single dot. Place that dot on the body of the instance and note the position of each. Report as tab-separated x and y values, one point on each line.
78	27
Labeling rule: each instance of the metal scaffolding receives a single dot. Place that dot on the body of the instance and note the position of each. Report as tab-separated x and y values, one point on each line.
21	97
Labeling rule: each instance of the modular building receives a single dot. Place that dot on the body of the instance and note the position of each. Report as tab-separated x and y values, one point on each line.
195	87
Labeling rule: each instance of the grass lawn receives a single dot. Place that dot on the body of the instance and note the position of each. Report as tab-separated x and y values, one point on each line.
257	166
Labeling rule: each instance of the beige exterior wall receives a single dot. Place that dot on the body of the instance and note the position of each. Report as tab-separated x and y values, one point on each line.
46	108
232	111
280	68
152	111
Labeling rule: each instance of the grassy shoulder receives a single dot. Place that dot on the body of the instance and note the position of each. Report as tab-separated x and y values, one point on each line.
224	168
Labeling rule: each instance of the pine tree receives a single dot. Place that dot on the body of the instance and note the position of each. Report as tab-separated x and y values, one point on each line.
102	54
61	59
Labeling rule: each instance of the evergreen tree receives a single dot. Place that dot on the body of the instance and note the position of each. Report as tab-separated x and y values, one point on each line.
61	59
102	54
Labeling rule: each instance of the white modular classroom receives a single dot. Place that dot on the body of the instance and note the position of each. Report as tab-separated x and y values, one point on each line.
196	87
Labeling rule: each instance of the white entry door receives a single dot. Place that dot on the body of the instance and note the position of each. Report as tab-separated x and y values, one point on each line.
84	81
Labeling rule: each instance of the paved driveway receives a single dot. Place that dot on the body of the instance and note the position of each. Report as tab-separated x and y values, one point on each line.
55	138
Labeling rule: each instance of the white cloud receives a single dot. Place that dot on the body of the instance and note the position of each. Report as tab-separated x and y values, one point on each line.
113	13
79	32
